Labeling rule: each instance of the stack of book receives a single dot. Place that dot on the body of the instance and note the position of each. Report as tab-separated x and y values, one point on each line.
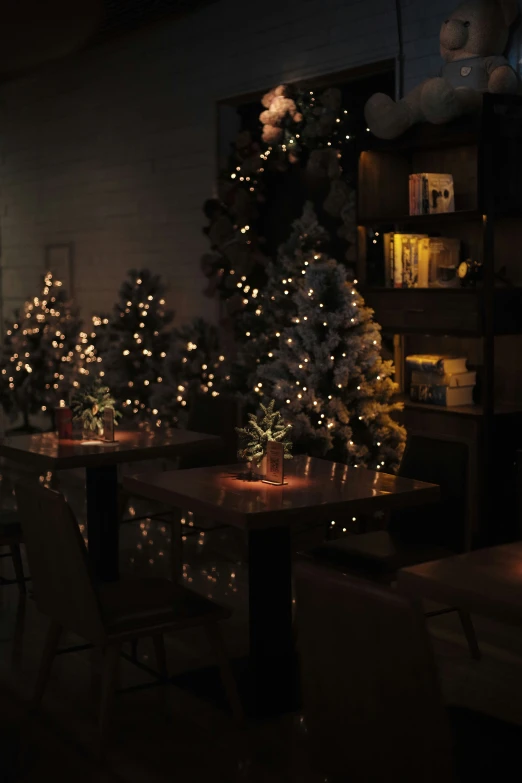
441	380
431	194
418	261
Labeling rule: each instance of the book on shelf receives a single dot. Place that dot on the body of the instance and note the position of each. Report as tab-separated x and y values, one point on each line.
418	261
446	396
431	194
453	380
437	364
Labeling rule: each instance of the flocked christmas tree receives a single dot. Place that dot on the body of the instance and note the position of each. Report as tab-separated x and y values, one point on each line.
38	360
266	313
134	343
328	374
194	364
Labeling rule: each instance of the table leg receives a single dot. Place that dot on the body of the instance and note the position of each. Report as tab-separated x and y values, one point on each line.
272	658
176	547
103	521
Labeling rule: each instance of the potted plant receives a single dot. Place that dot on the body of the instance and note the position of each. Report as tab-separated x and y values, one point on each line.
258	432
88	407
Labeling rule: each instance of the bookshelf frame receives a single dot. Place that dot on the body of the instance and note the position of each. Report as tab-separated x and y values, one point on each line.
485	152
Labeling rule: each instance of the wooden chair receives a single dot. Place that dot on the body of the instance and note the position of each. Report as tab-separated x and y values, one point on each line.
211	416
372	702
105	615
11	536
215	416
416	535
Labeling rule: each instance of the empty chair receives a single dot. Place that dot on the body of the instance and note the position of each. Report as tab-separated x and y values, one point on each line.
215	416
371	697
106	615
211	416
416	535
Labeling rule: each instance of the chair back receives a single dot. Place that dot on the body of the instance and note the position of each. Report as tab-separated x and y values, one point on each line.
444	463
215	416
63	586
372	704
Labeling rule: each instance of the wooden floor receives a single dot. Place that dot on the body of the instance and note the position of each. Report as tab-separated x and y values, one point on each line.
192	740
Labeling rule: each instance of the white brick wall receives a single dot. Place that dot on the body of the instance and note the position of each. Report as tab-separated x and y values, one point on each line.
113	148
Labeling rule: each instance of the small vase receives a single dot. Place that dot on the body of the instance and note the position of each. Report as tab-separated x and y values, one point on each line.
260	470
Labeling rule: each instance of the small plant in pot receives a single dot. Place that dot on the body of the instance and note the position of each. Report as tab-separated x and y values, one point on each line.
88	406
254	438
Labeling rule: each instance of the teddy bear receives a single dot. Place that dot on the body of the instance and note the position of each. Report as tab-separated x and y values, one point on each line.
472	43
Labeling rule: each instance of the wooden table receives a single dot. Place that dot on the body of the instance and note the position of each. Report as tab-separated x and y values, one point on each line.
45	452
487	582
316	491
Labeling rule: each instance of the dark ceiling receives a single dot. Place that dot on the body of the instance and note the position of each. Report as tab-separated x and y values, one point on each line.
34	32
124	15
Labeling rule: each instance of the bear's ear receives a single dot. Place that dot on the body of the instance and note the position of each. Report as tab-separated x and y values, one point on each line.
509	10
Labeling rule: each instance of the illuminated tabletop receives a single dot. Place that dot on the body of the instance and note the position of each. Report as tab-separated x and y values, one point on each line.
315	489
46	452
486	582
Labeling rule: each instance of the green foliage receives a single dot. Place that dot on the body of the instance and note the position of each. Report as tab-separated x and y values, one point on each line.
38	358
134	343
259	325
258	432
89	404
194	365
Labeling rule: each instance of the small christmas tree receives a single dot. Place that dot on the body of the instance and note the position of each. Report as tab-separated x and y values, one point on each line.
329	375
259	326
38	359
134	344
255	437
194	364
89	406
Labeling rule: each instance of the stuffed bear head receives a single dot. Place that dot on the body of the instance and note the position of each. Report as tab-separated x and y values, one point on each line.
477	28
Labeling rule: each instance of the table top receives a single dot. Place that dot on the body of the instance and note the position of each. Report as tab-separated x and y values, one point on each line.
45	451
486	582
316	490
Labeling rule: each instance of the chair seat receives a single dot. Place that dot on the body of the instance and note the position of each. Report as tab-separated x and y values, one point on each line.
379	551
132	604
10	530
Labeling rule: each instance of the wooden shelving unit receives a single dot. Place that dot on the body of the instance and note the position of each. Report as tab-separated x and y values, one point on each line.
484	155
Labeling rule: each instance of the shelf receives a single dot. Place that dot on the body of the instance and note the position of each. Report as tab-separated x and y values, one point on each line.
444	311
446	217
470	411
462	132
475	411
424	136
462	215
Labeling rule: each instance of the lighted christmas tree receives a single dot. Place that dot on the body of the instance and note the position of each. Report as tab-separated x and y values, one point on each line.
194	364
266	313
328	374
89	344
38	359
134	344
